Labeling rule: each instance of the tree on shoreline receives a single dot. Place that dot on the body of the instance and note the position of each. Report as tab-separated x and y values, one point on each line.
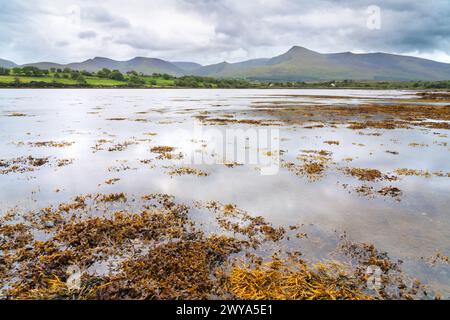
117	75
4	71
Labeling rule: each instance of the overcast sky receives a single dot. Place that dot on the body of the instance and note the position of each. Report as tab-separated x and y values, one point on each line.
210	31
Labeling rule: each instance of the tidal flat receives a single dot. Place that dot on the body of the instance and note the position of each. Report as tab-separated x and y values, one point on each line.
166	194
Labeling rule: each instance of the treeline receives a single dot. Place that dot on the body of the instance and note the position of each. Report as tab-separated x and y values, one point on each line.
25	71
134	79
355	84
205	82
445	84
131	78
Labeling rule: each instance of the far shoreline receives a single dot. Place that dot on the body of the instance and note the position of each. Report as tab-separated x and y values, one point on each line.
262	88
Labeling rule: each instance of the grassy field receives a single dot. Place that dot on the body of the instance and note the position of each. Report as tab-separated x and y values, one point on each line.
23	79
160	82
150	81
94	81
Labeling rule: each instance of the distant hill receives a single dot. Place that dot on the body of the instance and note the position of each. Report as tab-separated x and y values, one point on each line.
226	69
187	66
139	64
297	64
44	65
7	64
301	64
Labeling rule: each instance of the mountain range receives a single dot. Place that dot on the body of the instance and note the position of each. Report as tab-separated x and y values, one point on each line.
298	64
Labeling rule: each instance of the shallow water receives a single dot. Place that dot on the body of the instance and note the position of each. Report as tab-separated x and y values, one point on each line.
413	227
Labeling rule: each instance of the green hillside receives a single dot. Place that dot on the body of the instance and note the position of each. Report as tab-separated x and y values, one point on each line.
301	64
298	64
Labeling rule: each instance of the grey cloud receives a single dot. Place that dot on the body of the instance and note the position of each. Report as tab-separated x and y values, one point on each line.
103	16
406	25
145	40
120	24
87	34
62	43
260	27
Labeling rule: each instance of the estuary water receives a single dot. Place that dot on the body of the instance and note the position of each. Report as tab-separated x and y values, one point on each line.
101	141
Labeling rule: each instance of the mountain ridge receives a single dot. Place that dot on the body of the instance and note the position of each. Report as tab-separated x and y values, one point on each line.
7	64
297	64
302	64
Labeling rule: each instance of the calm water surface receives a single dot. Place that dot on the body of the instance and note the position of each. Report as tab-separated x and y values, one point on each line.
413	228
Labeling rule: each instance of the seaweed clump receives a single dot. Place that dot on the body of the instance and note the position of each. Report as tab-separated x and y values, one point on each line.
30	164
392	282
22	164
389	191
152	249
364	174
295	280
413	172
183	270
166	152
314	164
255	228
52	144
181	171
16	114
121	146
155	252
363	116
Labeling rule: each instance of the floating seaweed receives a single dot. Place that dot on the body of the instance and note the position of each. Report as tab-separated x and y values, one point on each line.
121	146
166	152
64	162
157	252
232	164
17	114
393	282
314	163
332	142
117	119
393	192
22	164
52	144
364	174
438	258
370	191
112	181
392	152
181	171
295	280
413	172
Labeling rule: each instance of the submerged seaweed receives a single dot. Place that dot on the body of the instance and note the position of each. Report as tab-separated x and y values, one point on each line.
158	252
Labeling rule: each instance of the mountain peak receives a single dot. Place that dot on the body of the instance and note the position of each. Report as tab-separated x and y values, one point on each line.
101	59
299	49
